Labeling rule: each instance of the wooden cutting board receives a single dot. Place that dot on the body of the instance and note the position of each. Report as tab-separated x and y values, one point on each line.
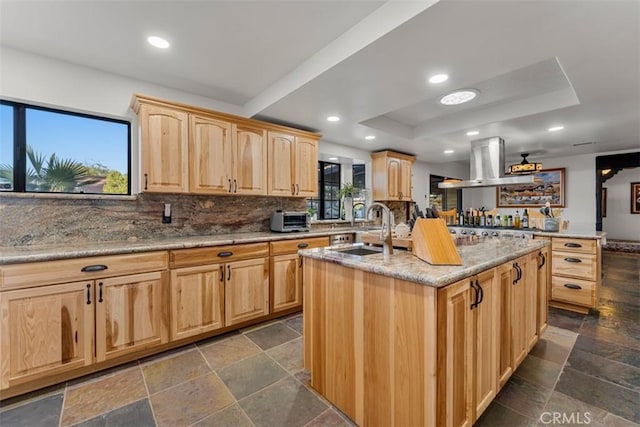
374	239
432	242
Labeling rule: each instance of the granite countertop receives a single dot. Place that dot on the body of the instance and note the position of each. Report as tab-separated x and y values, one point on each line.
573	234
33	253
481	256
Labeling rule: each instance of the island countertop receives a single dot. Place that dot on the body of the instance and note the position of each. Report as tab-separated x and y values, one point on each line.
483	254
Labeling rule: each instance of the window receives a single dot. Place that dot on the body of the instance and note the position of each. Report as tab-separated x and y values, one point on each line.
44	150
359	182
444	198
327	205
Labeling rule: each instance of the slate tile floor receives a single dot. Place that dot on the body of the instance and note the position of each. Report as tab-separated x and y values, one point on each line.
583	363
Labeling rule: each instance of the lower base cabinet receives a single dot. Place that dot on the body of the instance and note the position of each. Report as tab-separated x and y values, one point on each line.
49	330
468	316
246	290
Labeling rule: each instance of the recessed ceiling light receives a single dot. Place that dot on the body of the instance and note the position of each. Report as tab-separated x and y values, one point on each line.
369	137
449	151
555	128
459	97
438	78
158	42
333	118
333	159
472	133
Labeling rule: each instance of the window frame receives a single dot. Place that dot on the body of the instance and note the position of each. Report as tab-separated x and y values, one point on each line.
320	200
20	147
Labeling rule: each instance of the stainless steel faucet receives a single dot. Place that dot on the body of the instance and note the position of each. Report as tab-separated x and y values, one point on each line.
353	212
385	234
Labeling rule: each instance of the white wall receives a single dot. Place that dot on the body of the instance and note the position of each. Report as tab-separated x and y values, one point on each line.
421	172
580	190
619	222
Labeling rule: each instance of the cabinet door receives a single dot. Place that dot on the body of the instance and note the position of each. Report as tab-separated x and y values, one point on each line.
164	149
197	300
249	160
280	171
132	314
246	290
286	282
305	166
530	273
506	275
394	178
45	331
210	154
519	339
486	326
543	272
405	188
456	341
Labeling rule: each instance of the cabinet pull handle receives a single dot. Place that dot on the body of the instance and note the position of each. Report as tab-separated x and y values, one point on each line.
235	185
229	186
100	292
92	268
222	273
475	292
481	293
543	259
225	254
572	286
303	245
88	293
76	337
228	272
145	181
515	267
573	245
297	189
573	259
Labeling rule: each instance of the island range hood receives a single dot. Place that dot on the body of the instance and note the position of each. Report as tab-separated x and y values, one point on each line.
487	167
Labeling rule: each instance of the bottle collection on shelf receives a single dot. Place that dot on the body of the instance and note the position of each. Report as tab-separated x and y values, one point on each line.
479	218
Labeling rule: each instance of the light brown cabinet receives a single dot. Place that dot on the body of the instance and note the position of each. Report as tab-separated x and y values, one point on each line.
293	164
575	273
164	134
187	149
392	176
49	328
233	278
286	271
45	331
543	282
132	314
197	300
469	317
226	158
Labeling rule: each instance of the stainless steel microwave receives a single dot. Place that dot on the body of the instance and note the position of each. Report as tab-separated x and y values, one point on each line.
283	221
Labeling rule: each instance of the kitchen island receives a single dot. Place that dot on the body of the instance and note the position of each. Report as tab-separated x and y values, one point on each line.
391	340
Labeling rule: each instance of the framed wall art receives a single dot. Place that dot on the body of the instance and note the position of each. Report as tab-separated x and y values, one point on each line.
635	197
548	187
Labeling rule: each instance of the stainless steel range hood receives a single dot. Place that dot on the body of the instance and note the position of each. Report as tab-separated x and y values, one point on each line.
487	167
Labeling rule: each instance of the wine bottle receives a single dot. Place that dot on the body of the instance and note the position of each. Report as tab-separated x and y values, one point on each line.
525	219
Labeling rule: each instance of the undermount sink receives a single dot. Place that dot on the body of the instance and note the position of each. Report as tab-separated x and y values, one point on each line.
359	251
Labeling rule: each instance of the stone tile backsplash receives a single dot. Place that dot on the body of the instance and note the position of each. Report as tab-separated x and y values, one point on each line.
35	221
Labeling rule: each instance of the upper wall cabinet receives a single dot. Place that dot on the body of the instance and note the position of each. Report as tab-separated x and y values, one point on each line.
165	155
292	165
392	176
187	149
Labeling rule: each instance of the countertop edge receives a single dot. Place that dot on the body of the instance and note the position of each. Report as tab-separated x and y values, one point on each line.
28	254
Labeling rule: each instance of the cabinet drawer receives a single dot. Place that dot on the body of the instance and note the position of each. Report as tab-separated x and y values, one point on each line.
574	291
581	266
587	246
292	246
69	270
202	256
